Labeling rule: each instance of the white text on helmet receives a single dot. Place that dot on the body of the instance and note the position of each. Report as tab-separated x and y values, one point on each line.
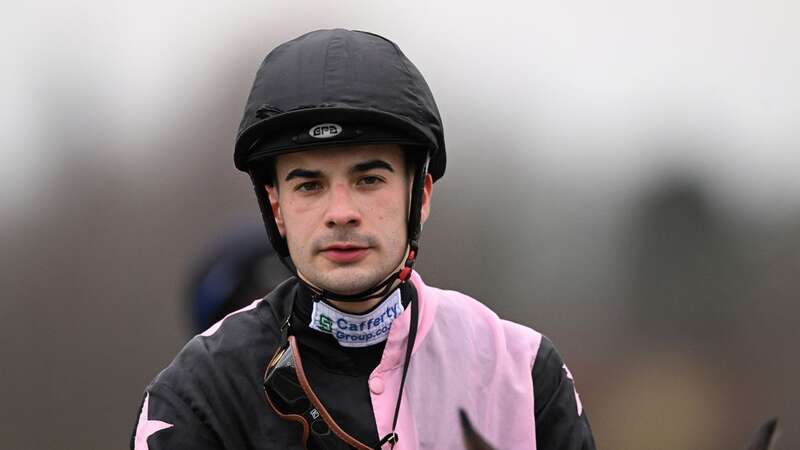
324	130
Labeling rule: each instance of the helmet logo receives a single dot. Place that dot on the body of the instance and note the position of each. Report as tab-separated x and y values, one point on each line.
324	130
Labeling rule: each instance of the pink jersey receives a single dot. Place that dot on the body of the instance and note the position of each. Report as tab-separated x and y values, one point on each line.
464	357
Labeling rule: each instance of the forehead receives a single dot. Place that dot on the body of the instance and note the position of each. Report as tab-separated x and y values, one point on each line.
331	159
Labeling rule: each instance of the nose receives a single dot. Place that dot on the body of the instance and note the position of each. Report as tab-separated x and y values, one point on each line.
341	210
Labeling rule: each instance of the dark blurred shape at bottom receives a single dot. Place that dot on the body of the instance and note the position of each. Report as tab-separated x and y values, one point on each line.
239	268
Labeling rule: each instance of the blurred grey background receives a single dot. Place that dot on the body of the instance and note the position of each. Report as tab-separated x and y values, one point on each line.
622	177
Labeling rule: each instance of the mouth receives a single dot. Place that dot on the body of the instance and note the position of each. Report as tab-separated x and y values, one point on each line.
344	253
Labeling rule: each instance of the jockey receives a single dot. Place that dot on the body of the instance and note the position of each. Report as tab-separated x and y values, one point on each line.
342	140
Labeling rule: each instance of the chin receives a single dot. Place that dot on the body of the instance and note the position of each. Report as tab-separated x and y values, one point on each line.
349	280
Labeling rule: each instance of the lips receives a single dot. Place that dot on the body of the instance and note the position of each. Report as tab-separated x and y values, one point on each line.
344	254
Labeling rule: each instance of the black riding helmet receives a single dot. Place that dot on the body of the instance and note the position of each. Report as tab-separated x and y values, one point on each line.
339	87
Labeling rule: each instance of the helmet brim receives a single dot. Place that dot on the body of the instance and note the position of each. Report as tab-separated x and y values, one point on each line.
285	132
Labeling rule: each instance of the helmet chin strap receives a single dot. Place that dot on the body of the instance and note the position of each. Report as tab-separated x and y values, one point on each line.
380	290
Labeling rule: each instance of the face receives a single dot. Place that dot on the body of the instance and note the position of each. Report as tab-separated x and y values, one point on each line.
343	212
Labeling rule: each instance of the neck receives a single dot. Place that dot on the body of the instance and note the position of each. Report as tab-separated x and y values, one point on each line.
360	307
356	307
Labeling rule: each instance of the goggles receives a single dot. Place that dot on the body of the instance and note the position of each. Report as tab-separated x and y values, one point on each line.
290	396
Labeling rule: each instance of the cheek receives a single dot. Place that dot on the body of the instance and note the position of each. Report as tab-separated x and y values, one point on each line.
391	216
298	213
296	223
387	211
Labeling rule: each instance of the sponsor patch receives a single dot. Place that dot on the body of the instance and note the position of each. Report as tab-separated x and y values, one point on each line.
357	330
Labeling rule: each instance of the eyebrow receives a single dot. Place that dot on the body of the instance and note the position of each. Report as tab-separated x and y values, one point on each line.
303	173
365	166
372	164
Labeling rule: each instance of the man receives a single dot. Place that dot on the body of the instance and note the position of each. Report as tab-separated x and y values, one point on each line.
343	141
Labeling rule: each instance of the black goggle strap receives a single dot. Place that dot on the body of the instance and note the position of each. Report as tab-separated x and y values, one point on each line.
392	437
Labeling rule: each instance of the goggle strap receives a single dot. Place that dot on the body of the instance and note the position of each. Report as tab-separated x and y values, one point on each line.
312	397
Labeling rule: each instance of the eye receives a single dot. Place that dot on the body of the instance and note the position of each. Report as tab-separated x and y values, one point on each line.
370	180
308	186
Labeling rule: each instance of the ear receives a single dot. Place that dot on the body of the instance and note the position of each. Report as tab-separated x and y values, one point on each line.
274	203
427	190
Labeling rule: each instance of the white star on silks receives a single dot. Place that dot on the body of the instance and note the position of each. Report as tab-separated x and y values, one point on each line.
574	389
146	427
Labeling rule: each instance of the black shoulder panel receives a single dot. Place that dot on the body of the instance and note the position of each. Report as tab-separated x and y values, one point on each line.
561	422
